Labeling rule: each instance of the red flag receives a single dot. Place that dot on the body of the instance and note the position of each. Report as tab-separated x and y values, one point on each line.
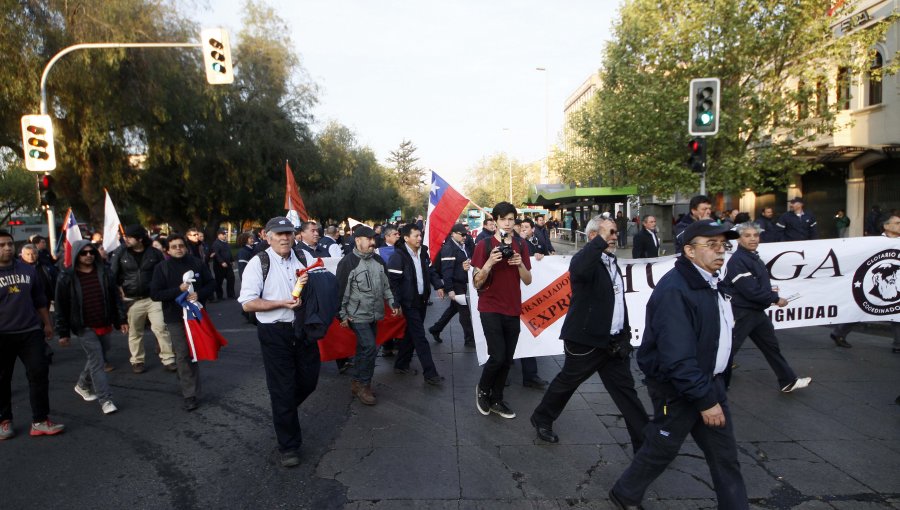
71	233
340	342
203	338
292	200
445	204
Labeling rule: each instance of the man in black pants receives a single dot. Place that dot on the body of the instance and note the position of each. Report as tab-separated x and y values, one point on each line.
598	299
412	278
223	265
454	262
752	293
684	353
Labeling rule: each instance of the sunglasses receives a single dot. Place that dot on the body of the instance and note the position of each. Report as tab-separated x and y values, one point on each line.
85	253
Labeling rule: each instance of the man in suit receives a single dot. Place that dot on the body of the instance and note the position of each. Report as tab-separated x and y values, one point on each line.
646	242
598	301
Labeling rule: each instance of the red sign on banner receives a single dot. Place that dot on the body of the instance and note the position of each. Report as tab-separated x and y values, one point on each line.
549	305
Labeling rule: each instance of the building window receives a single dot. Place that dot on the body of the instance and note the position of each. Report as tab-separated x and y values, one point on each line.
843	88
875	77
821	97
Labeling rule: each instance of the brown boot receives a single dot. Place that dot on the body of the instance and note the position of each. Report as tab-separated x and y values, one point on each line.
354	387
366	396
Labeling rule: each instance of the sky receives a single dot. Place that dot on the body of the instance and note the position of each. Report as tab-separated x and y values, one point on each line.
458	78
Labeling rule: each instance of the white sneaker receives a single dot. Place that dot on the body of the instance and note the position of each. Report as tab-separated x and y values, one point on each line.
799	384
86	394
109	407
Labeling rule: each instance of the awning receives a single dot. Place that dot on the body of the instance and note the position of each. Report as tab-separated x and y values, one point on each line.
556	196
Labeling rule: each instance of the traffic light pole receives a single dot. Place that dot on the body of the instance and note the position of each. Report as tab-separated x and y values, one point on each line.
51	228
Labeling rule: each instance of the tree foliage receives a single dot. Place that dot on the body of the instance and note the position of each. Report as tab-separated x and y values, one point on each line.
489	180
772	58
410	179
18	189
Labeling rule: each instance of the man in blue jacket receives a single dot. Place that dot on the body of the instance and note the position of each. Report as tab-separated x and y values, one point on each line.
454	262
747	279
797	224
684	354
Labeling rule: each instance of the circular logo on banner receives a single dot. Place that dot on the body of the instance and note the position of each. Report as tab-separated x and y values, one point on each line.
876	284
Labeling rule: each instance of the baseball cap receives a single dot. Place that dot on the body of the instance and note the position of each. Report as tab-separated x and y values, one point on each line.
797	200
707	228
279	224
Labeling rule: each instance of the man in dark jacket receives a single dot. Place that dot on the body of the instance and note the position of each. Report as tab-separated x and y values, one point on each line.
646	242
747	280
25	328
684	353
488	229
167	285
797	224
543	233
768	232
700	209
88	306
223	265
132	267
596	334
412	278
454	260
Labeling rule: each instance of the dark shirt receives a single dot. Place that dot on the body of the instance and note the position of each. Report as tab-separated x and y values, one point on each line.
92	302
21	294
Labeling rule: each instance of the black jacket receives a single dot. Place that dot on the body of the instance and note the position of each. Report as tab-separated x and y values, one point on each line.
221	252
134	279
402	275
544	235
679	229
644	247
591	309
681	337
769	233
747	280
452	257
167	278
797	228
69	298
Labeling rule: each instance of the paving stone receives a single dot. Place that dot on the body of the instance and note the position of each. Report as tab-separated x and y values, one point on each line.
853	459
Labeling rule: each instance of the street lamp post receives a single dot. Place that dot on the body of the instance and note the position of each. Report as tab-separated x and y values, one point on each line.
509	161
545	170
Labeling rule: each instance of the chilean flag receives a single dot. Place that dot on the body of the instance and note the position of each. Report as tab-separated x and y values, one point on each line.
71	233
296	209
445	204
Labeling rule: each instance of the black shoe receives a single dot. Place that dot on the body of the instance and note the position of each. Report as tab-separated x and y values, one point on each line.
536	383
190	404
544	433
436	334
435	381
290	459
620	505
405	371
503	410
895	350
840	341
387	353
469	343
482	401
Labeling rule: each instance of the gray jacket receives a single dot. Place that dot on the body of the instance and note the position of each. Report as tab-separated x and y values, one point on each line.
364	287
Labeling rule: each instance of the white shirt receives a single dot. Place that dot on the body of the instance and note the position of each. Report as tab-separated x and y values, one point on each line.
335	251
417	263
618	316
726	323
278	285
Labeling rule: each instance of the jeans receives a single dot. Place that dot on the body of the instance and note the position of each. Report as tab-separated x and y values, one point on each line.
292	373
138	312
188	371
502	334
415	340
30	347
93	377
673	419
364	362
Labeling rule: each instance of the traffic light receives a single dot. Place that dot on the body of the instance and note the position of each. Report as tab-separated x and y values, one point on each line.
37	139
703	116
217	56
45	188
697	155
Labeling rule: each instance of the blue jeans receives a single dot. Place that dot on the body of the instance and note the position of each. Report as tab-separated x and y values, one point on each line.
364	362
92	375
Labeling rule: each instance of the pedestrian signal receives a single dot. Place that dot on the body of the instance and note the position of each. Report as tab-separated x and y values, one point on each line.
45	188
697	155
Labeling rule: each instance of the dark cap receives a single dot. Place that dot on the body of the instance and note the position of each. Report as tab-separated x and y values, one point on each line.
135	231
279	224
797	200
363	231
223	230
707	228
459	228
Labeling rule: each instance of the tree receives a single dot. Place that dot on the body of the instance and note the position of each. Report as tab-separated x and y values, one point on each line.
489	180
771	56
18	191
410	178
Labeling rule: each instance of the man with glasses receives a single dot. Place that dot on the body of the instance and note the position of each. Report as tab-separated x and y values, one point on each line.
684	353
167	285
598	299
24	329
747	279
89	306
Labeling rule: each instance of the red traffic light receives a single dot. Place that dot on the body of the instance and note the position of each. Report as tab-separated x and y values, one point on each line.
45	182
36	130
694	145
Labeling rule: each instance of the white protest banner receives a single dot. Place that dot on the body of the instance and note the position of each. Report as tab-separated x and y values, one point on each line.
829	281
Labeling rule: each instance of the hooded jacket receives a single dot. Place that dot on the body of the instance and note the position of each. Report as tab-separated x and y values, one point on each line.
363	287
69	297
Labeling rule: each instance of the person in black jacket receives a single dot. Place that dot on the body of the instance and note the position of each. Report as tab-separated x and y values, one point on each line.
768	232
684	352
797	224
543	233
454	260
223	265
167	285
752	293
700	209
132	268
88	306
596	336
411	287
646	242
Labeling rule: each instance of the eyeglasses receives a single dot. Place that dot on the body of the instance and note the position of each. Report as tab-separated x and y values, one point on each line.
176	246
92	253
715	245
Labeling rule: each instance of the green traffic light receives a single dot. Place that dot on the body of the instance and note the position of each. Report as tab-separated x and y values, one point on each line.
705	119
36	154
218	67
